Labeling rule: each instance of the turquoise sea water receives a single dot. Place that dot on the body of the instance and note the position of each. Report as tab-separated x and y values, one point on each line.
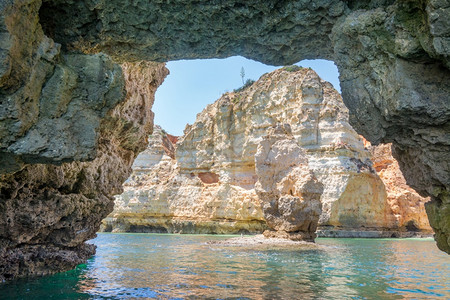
142	266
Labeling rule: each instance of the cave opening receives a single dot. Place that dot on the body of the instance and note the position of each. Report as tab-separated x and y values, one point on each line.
185	93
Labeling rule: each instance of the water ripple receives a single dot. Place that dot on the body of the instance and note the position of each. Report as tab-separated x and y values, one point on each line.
145	266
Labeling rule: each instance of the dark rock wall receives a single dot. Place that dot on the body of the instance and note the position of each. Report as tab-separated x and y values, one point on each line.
275	32
396	83
77	107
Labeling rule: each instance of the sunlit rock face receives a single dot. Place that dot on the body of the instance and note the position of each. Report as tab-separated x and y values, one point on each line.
210	186
160	196
287	187
406	204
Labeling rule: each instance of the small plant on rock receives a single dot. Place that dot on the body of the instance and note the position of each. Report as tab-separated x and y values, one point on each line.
248	83
292	68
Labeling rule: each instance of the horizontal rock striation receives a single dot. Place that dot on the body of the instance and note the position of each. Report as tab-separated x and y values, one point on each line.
217	153
160	196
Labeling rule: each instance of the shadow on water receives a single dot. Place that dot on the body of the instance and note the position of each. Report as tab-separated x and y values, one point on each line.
184	266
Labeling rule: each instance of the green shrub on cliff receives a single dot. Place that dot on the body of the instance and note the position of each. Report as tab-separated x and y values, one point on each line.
248	83
292	68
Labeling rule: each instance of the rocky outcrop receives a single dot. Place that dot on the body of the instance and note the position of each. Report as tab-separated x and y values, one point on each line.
159	197
47	212
217	153
393	57
287	187
394	72
407	205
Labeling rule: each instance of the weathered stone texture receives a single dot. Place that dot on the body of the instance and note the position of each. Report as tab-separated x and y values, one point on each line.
395	80
160	196
407	205
269	31
287	187
47	212
217	153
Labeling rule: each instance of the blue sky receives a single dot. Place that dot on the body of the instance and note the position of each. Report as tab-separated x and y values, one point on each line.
193	84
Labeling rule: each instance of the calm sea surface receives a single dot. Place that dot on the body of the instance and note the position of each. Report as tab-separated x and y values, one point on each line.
140	266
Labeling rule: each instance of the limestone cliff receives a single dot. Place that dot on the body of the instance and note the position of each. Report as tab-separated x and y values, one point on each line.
217	153
158	197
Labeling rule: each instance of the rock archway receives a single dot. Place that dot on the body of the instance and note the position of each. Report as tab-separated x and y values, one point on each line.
67	106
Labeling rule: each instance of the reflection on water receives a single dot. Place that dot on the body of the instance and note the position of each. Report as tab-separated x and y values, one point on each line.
183	266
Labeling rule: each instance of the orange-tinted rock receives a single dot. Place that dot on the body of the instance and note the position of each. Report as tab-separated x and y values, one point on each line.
407	205
208	177
172	138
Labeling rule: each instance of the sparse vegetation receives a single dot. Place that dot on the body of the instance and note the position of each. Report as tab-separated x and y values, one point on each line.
236	99
248	83
292	68
242	74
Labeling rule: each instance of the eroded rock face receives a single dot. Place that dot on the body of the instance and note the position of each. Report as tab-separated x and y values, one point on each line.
394	72
162	196
51	104
214	168
407	205
288	189
47	212
267	31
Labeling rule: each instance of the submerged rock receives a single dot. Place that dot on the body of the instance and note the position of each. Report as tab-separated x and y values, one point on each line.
261	242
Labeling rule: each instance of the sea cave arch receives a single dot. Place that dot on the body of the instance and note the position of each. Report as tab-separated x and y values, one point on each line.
64	105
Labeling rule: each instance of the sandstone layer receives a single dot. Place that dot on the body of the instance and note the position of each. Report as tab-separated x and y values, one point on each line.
159	197
393	57
217	153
